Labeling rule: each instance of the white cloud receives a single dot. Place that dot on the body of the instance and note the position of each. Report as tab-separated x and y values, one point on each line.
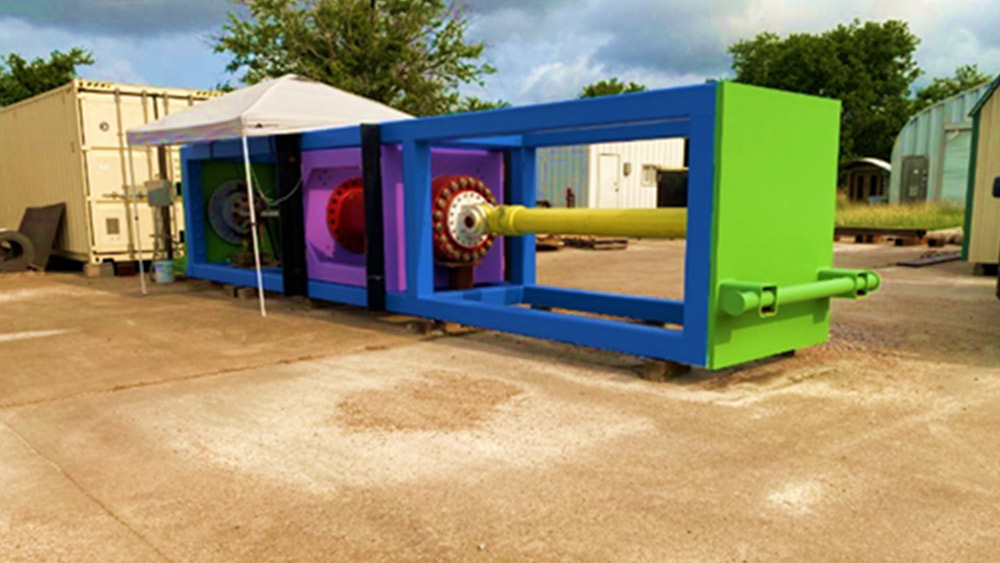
548	51
131	18
181	60
544	49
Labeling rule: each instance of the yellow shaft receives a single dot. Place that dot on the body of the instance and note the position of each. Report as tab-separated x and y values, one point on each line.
515	220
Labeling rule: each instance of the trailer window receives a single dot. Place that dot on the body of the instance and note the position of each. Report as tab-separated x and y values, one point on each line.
648	175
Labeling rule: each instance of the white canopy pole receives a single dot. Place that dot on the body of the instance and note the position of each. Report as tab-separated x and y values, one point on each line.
130	194
253	226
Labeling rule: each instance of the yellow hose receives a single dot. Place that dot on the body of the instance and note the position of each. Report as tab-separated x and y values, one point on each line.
518	220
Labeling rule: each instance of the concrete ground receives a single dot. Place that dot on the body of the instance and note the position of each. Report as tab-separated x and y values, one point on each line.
180	426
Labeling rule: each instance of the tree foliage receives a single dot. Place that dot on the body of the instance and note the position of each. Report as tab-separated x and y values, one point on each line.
610	87
21	79
472	103
966	77
409	54
869	67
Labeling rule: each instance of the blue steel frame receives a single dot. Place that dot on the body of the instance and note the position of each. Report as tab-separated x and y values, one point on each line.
341	138
679	112
198	266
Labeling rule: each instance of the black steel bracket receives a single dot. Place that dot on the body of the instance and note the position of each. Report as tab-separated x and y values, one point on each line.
294	271
371	162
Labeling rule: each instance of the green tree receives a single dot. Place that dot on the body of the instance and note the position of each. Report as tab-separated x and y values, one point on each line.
610	88
409	54
869	67
966	77
21	79
472	103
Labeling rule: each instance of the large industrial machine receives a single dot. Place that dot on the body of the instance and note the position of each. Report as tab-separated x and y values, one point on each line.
435	217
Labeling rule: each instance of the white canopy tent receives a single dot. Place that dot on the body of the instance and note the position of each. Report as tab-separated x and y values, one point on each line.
290	104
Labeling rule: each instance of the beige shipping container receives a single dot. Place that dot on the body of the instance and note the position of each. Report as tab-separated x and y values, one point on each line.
983	236
69	145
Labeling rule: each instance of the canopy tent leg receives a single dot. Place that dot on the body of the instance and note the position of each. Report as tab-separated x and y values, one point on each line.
131	194
253	226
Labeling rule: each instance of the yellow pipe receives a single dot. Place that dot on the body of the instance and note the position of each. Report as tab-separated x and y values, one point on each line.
640	223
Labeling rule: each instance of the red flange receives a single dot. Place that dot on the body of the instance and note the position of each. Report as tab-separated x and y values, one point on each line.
454	242
345	215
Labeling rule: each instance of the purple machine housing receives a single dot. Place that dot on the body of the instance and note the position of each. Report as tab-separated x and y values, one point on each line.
330	263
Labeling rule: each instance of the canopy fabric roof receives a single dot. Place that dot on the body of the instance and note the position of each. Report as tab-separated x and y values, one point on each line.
289	104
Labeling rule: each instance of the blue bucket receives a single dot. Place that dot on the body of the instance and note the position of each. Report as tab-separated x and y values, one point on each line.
163	271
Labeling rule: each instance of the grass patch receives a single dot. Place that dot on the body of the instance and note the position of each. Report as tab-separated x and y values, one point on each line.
931	215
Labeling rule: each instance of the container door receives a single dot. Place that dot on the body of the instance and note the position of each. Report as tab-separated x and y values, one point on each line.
609	182
914	179
111	229
107	171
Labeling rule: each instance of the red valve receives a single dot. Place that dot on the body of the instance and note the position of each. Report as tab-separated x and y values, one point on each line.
345	215
456	238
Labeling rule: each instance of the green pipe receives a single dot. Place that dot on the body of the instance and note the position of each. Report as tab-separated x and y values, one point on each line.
739	298
818	290
516	220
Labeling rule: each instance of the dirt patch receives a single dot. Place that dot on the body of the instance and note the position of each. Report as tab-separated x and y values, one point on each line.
439	401
850	350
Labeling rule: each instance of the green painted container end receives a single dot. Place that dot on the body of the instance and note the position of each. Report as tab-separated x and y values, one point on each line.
214	173
775	199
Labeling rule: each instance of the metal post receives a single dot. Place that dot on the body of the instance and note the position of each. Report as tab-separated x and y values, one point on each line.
161	157
253	225
124	149
130	195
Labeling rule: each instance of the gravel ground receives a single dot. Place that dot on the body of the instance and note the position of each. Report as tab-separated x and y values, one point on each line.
182	427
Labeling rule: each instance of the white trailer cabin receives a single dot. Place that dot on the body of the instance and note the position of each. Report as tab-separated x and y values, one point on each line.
607	175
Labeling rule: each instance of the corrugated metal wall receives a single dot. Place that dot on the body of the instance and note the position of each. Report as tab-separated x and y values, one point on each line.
955	166
40	165
70	145
984	240
559	168
942	133
579	167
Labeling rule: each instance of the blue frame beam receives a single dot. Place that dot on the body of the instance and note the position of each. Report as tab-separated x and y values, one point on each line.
242	277
343	137
523	191
417	200
338	293
616	336
499	294
610	110
232	149
628	306
656	130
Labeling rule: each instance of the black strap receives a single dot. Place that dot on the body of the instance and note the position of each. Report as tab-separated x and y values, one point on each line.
371	161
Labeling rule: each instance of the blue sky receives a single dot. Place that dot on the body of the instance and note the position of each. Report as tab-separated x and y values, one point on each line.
544	49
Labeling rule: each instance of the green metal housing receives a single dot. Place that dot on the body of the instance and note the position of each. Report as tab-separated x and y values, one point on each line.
219	172
775	192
